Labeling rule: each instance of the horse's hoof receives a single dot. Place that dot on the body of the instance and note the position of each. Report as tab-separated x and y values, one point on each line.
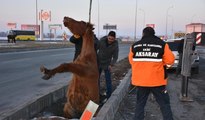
45	71
42	69
46	77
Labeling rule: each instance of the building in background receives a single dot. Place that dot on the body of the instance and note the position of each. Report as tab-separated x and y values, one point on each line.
199	32
195	27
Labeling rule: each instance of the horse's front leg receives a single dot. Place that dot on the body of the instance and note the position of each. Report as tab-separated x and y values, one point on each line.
65	67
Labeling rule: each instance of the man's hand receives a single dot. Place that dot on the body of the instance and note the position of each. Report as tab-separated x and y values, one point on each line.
76	36
110	67
168	66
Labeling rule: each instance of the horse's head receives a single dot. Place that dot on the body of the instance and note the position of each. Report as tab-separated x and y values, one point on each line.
76	27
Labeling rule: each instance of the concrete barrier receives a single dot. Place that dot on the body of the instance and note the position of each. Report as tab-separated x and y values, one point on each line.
27	111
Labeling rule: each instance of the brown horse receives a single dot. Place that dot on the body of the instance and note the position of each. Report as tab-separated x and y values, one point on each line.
84	84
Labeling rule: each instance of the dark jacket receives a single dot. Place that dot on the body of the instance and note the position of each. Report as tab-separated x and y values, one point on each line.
107	53
78	44
96	43
149	44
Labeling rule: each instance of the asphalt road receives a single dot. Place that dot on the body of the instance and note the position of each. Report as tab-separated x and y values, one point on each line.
20	77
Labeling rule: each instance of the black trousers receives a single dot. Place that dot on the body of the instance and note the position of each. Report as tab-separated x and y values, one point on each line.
162	98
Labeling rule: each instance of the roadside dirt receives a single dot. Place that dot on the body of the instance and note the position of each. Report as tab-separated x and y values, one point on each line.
189	110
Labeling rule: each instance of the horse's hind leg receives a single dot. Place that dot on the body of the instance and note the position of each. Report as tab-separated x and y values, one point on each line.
70	112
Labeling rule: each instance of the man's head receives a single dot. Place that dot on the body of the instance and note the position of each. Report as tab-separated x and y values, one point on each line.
148	31
111	37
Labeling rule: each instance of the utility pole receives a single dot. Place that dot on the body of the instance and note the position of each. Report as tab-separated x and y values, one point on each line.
135	22
167	19
90	11
37	20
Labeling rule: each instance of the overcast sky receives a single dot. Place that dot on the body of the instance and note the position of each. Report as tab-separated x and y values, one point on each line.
113	12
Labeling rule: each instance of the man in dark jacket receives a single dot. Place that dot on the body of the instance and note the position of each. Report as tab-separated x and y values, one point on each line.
147	58
78	41
107	57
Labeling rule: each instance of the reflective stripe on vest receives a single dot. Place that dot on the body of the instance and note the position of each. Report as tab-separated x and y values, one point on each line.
147	59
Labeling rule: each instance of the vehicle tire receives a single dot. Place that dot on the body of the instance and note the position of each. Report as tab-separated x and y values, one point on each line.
195	70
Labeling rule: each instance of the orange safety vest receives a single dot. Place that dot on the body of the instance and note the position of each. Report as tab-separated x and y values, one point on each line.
147	65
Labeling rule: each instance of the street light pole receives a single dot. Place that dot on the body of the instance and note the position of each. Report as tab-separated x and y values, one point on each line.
167	18
135	22
144	17
172	26
36	16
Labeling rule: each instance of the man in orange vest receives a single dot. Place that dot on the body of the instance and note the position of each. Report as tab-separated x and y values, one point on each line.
149	59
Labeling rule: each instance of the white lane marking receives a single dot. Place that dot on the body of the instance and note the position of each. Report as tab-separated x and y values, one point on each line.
202	56
59	54
33	51
17	60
